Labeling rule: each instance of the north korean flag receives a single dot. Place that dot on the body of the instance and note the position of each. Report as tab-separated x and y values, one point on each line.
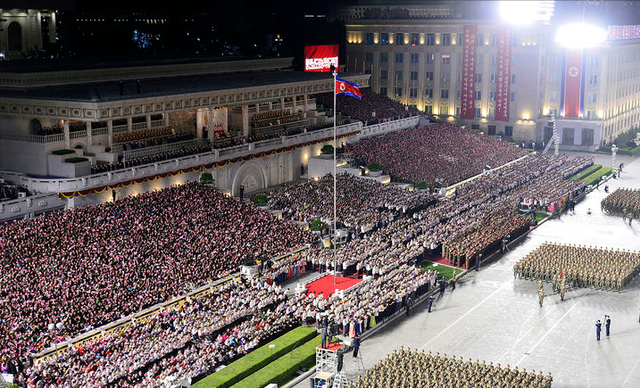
347	88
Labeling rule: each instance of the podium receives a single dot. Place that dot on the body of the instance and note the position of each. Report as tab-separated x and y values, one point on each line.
328	365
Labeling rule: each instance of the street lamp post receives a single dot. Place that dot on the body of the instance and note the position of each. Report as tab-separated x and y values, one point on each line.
614	150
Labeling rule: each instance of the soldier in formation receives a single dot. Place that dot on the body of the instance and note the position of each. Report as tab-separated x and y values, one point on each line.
625	202
579	266
406	368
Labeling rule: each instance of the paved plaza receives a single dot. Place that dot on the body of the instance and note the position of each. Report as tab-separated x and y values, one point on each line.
490	316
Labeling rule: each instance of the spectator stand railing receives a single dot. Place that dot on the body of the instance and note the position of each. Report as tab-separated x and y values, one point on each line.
136	317
388	126
162	148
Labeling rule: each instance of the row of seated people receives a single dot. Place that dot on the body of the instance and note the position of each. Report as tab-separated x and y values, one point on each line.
155	141
384	107
278	121
258	136
132	162
136	252
271	114
56	129
140	134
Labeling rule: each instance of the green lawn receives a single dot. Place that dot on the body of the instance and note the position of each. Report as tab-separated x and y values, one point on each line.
541	216
587	171
596	176
257	359
284	368
441	268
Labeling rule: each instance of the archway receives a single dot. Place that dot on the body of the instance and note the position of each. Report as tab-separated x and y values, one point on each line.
252	176
35	126
14	33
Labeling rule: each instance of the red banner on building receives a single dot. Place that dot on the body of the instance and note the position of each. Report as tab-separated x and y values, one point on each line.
623	32
572	83
467	108
503	76
320	58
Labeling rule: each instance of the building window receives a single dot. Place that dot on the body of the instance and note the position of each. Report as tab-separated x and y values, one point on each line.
384	57
399	39
398	92
553	96
415	39
457	111
446	59
429	76
593	79
594	61
428	109
508	130
414	76
446	76
446	39
493	78
458	94
492	96
14	35
494	40
512	97
368	57
515	40
444	93
479	60
554	112
478	95
428	93
398	57
459	77
384	38
568	135
480	40
476	126
592	97
399	75
414	58
383	91
368	38
430	58
413	92
478	77
587	136
444	110
513	78
591	115
494	60
384	74
554	78
431	40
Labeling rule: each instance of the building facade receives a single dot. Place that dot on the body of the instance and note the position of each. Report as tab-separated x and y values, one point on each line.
501	79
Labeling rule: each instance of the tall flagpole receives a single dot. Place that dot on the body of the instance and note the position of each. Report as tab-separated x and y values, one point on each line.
335	179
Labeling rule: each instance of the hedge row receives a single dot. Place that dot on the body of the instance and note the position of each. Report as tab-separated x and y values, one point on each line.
284	368
257	359
586	172
596	176
635	151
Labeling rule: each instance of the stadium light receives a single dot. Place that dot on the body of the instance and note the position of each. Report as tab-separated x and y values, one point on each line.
580	35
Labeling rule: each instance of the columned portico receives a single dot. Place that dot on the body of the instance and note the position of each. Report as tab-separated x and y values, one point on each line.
210	129
200	122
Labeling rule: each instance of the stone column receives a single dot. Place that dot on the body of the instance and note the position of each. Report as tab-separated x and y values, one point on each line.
293	109
67	136
110	132
148	121
306	105
281	102
129	124
199	122
89	133
211	129
257	108
245	121
270	105
166	119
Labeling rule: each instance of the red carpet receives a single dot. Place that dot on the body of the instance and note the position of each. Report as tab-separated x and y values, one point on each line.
326	286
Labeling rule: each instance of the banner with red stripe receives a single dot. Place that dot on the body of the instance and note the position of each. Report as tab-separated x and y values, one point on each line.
572	83
467	108
503	76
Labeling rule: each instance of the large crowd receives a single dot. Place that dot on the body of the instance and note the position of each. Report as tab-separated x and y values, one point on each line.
438	153
406	368
371	109
72	270
362	204
580	266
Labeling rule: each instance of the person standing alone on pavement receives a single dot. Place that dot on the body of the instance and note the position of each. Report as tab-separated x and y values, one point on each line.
598	329
607	324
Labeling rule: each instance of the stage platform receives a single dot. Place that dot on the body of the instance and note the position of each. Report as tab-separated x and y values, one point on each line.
326	285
